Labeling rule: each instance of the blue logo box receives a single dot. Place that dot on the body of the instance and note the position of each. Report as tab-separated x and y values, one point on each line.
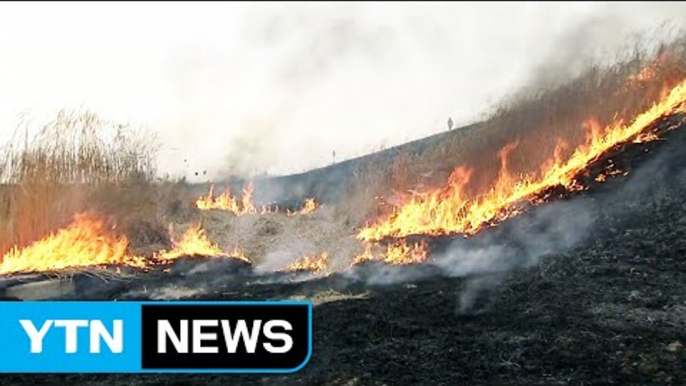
106	337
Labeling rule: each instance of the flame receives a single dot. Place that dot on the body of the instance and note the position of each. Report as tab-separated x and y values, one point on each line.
602	177
448	210
248	207
400	253
397	253
367	255
238	253
314	263
225	201
85	242
645	75
648	72
309	206
245	206
193	242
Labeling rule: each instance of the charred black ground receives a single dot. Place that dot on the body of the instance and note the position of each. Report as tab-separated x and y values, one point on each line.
607	309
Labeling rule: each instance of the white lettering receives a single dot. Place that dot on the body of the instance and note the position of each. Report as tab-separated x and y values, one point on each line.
199	336
71	333
287	339
165	330
115	342
36	336
241	332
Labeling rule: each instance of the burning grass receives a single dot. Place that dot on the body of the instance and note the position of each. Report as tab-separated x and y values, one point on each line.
245	205
451	209
316	264
89	242
75	163
399	252
468	181
195	242
543	121
85	242
540	141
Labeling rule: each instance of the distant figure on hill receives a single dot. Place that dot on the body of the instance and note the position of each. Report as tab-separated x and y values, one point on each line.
450	123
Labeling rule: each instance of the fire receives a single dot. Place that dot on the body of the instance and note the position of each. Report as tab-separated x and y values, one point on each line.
397	253
449	210
238	253
225	201
244	205
400	253
193	242
648	72
602	177
309	206
314	263
248	207
367	255
85	242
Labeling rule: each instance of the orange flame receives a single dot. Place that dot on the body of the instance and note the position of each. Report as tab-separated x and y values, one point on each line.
602	177
238	253
227	202
248	207
245	206
397	253
83	243
367	255
648	72
400	253
194	242
448	210
315	264
309	206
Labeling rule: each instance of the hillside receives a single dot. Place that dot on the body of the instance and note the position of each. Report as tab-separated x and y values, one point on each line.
605	308
543	245
328	183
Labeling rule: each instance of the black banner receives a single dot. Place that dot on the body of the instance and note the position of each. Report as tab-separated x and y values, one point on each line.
238	337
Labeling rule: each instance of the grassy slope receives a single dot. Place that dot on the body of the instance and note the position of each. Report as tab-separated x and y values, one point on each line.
609	311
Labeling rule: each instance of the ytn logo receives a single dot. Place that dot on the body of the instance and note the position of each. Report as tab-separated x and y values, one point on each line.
140	337
232	336
97	333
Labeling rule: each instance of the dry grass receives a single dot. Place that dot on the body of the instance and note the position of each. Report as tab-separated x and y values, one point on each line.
77	162
274	241
535	120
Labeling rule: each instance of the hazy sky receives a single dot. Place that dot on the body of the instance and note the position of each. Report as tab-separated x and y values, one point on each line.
277	87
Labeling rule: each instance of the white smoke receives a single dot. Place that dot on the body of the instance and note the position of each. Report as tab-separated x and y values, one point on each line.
251	88
551	229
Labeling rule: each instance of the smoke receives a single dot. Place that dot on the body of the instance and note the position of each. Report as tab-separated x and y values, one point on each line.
550	229
556	228
242	89
486	259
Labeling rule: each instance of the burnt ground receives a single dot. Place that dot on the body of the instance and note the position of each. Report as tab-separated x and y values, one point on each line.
609	309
